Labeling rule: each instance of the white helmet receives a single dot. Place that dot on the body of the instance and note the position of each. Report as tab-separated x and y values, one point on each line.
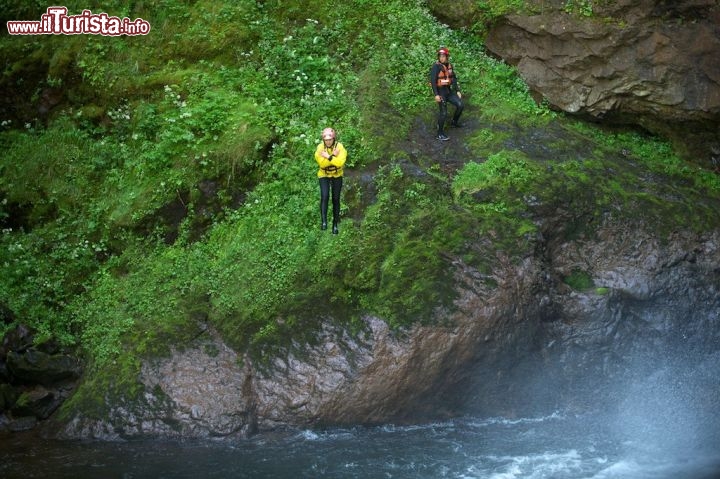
328	134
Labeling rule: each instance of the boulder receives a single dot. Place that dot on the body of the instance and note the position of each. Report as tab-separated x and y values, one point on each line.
24	423
37	402
19	338
8	396
650	64
34	379
39	367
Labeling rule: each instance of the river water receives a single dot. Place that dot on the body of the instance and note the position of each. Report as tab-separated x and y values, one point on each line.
557	446
661	422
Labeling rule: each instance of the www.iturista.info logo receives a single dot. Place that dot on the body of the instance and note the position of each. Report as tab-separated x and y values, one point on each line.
57	22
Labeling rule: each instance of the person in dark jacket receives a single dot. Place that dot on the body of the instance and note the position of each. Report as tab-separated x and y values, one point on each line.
443	80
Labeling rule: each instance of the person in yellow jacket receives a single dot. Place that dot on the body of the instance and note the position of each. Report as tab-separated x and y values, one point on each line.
330	156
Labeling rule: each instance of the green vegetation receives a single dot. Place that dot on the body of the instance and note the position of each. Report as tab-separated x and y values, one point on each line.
495	191
173	187
579	280
579	7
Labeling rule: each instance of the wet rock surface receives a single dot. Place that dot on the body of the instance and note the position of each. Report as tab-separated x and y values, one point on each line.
649	63
34	379
530	344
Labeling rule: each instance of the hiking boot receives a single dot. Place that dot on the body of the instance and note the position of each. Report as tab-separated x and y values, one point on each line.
442	137
323	225
456	124
335	229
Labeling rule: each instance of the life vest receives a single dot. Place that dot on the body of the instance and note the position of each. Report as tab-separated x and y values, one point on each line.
445	76
332	171
329	151
331	168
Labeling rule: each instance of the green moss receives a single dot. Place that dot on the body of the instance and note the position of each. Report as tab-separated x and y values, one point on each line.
23	401
487	141
104	385
92	112
211	350
579	280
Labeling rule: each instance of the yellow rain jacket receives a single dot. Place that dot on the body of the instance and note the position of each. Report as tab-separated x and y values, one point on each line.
332	167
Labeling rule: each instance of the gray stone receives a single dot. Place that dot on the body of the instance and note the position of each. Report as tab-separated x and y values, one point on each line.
498	354
38	367
37	402
655	69
648	63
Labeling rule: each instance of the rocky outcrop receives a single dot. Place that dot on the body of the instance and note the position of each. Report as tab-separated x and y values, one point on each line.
649	63
653	304
531	343
34	379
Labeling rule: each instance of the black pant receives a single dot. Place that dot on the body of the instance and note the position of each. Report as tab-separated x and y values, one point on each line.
442	113
326	184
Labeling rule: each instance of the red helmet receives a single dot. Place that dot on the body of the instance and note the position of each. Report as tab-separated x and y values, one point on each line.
443	51
328	134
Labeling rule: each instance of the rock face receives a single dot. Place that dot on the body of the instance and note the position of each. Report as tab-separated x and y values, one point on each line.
34	379
650	63
653	306
532	343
